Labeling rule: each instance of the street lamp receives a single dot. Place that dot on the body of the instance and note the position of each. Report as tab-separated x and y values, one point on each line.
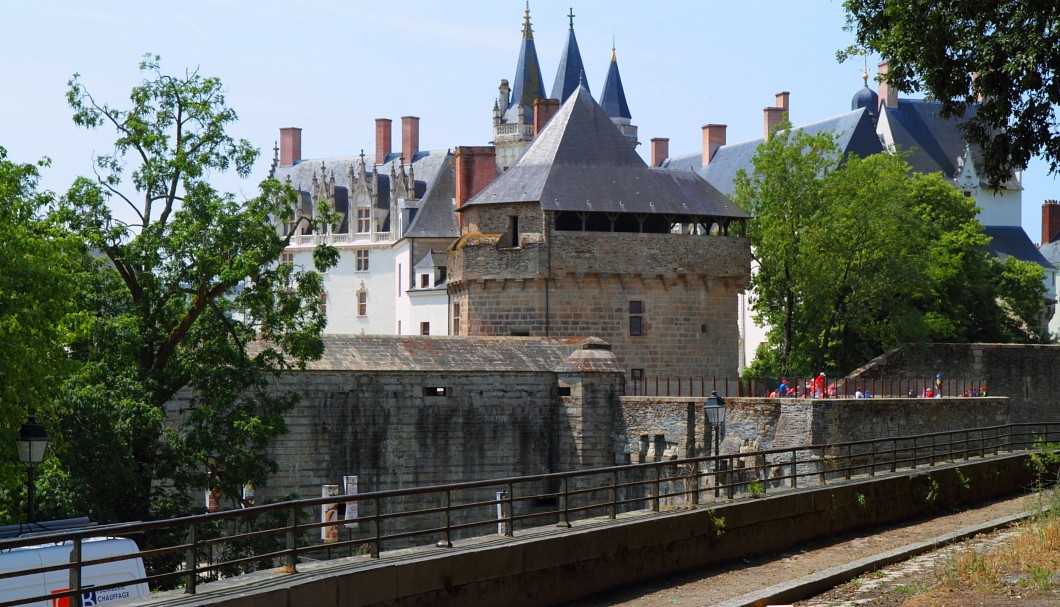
31	444
715	410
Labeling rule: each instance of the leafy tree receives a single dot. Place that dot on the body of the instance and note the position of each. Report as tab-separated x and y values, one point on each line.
993	64
35	280
857	255
191	315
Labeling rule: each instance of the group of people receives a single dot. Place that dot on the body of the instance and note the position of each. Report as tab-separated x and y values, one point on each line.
815	388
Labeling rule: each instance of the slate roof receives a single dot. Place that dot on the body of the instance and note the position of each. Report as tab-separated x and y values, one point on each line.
528	84
613	97
856	134
571	71
435	217
1012	241
1051	252
582	162
403	353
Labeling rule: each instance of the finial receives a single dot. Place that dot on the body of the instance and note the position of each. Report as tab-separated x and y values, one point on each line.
865	67
528	32
612	47
570	15
581	77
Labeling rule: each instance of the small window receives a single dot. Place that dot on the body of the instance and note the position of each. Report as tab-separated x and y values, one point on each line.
364	221
398	281
287	258
323	303
564	390
636	377
636	317
425	281
362	303
456	319
513	229
967	193
425	328
435	391
362	260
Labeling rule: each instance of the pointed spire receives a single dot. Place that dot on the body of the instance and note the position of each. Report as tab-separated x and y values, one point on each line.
528	86
571	70
613	98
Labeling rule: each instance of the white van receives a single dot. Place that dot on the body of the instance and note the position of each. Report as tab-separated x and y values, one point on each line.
51	582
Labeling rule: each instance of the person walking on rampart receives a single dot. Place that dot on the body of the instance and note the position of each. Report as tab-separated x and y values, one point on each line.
818	386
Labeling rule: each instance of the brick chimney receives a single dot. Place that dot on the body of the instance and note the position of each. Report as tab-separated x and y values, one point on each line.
888	94
713	138
476	168
544	110
782	100
772	117
410	137
383	135
1050	221
290	146
660	150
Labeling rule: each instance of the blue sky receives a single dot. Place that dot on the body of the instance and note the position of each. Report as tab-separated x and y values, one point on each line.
332	67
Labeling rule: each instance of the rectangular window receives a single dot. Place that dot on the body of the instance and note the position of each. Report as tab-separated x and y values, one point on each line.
324	303
364	221
636	377
287	258
435	391
425	281
425	328
362	260
362	303
636	317
456	319
398	281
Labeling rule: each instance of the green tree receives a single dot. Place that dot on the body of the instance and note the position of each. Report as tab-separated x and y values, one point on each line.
995	65
192	309
36	260
857	255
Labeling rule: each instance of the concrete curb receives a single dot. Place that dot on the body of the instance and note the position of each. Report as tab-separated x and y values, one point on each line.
818	583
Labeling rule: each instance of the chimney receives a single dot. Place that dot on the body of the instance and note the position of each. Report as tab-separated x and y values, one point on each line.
782	100
410	137
382	139
660	150
290	146
713	138
772	117
1050	221
544	110
476	168
888	94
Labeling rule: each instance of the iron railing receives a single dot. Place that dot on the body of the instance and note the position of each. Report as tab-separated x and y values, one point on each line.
885	387
186	551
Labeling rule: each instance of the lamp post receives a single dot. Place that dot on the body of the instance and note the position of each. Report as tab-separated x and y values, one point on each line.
31	444
715	410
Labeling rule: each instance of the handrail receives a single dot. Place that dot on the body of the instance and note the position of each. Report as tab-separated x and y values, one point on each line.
200	549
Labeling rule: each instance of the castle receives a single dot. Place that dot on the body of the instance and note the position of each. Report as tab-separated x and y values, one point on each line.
436	243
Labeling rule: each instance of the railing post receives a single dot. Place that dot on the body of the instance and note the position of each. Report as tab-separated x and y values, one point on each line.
447	540
564	513
967	446
511	510
730	480
292	540
612	507
872	458
377	530
850	461
191	554
695	482
75	572
913	465
655	489
894	455
794	468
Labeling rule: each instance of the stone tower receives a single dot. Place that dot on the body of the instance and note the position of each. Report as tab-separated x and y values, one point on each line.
581	238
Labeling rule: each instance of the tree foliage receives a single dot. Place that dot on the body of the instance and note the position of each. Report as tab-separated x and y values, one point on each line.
190	308
995	65
856	255
37	274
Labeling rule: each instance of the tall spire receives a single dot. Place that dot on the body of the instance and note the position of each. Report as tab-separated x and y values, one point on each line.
571	71
613	99
527	86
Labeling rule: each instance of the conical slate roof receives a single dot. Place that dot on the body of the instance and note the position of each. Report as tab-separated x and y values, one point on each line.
571	70
528	85
613	99
582	162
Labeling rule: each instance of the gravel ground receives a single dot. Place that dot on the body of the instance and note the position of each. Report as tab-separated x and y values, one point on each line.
714	585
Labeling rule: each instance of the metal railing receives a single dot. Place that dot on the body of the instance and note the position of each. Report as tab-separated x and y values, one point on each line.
701	386
185	552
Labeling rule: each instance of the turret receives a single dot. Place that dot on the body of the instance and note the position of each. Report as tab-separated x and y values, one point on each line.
571	71
613	100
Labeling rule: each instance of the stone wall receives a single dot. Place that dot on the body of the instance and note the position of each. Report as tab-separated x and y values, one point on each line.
1026	374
